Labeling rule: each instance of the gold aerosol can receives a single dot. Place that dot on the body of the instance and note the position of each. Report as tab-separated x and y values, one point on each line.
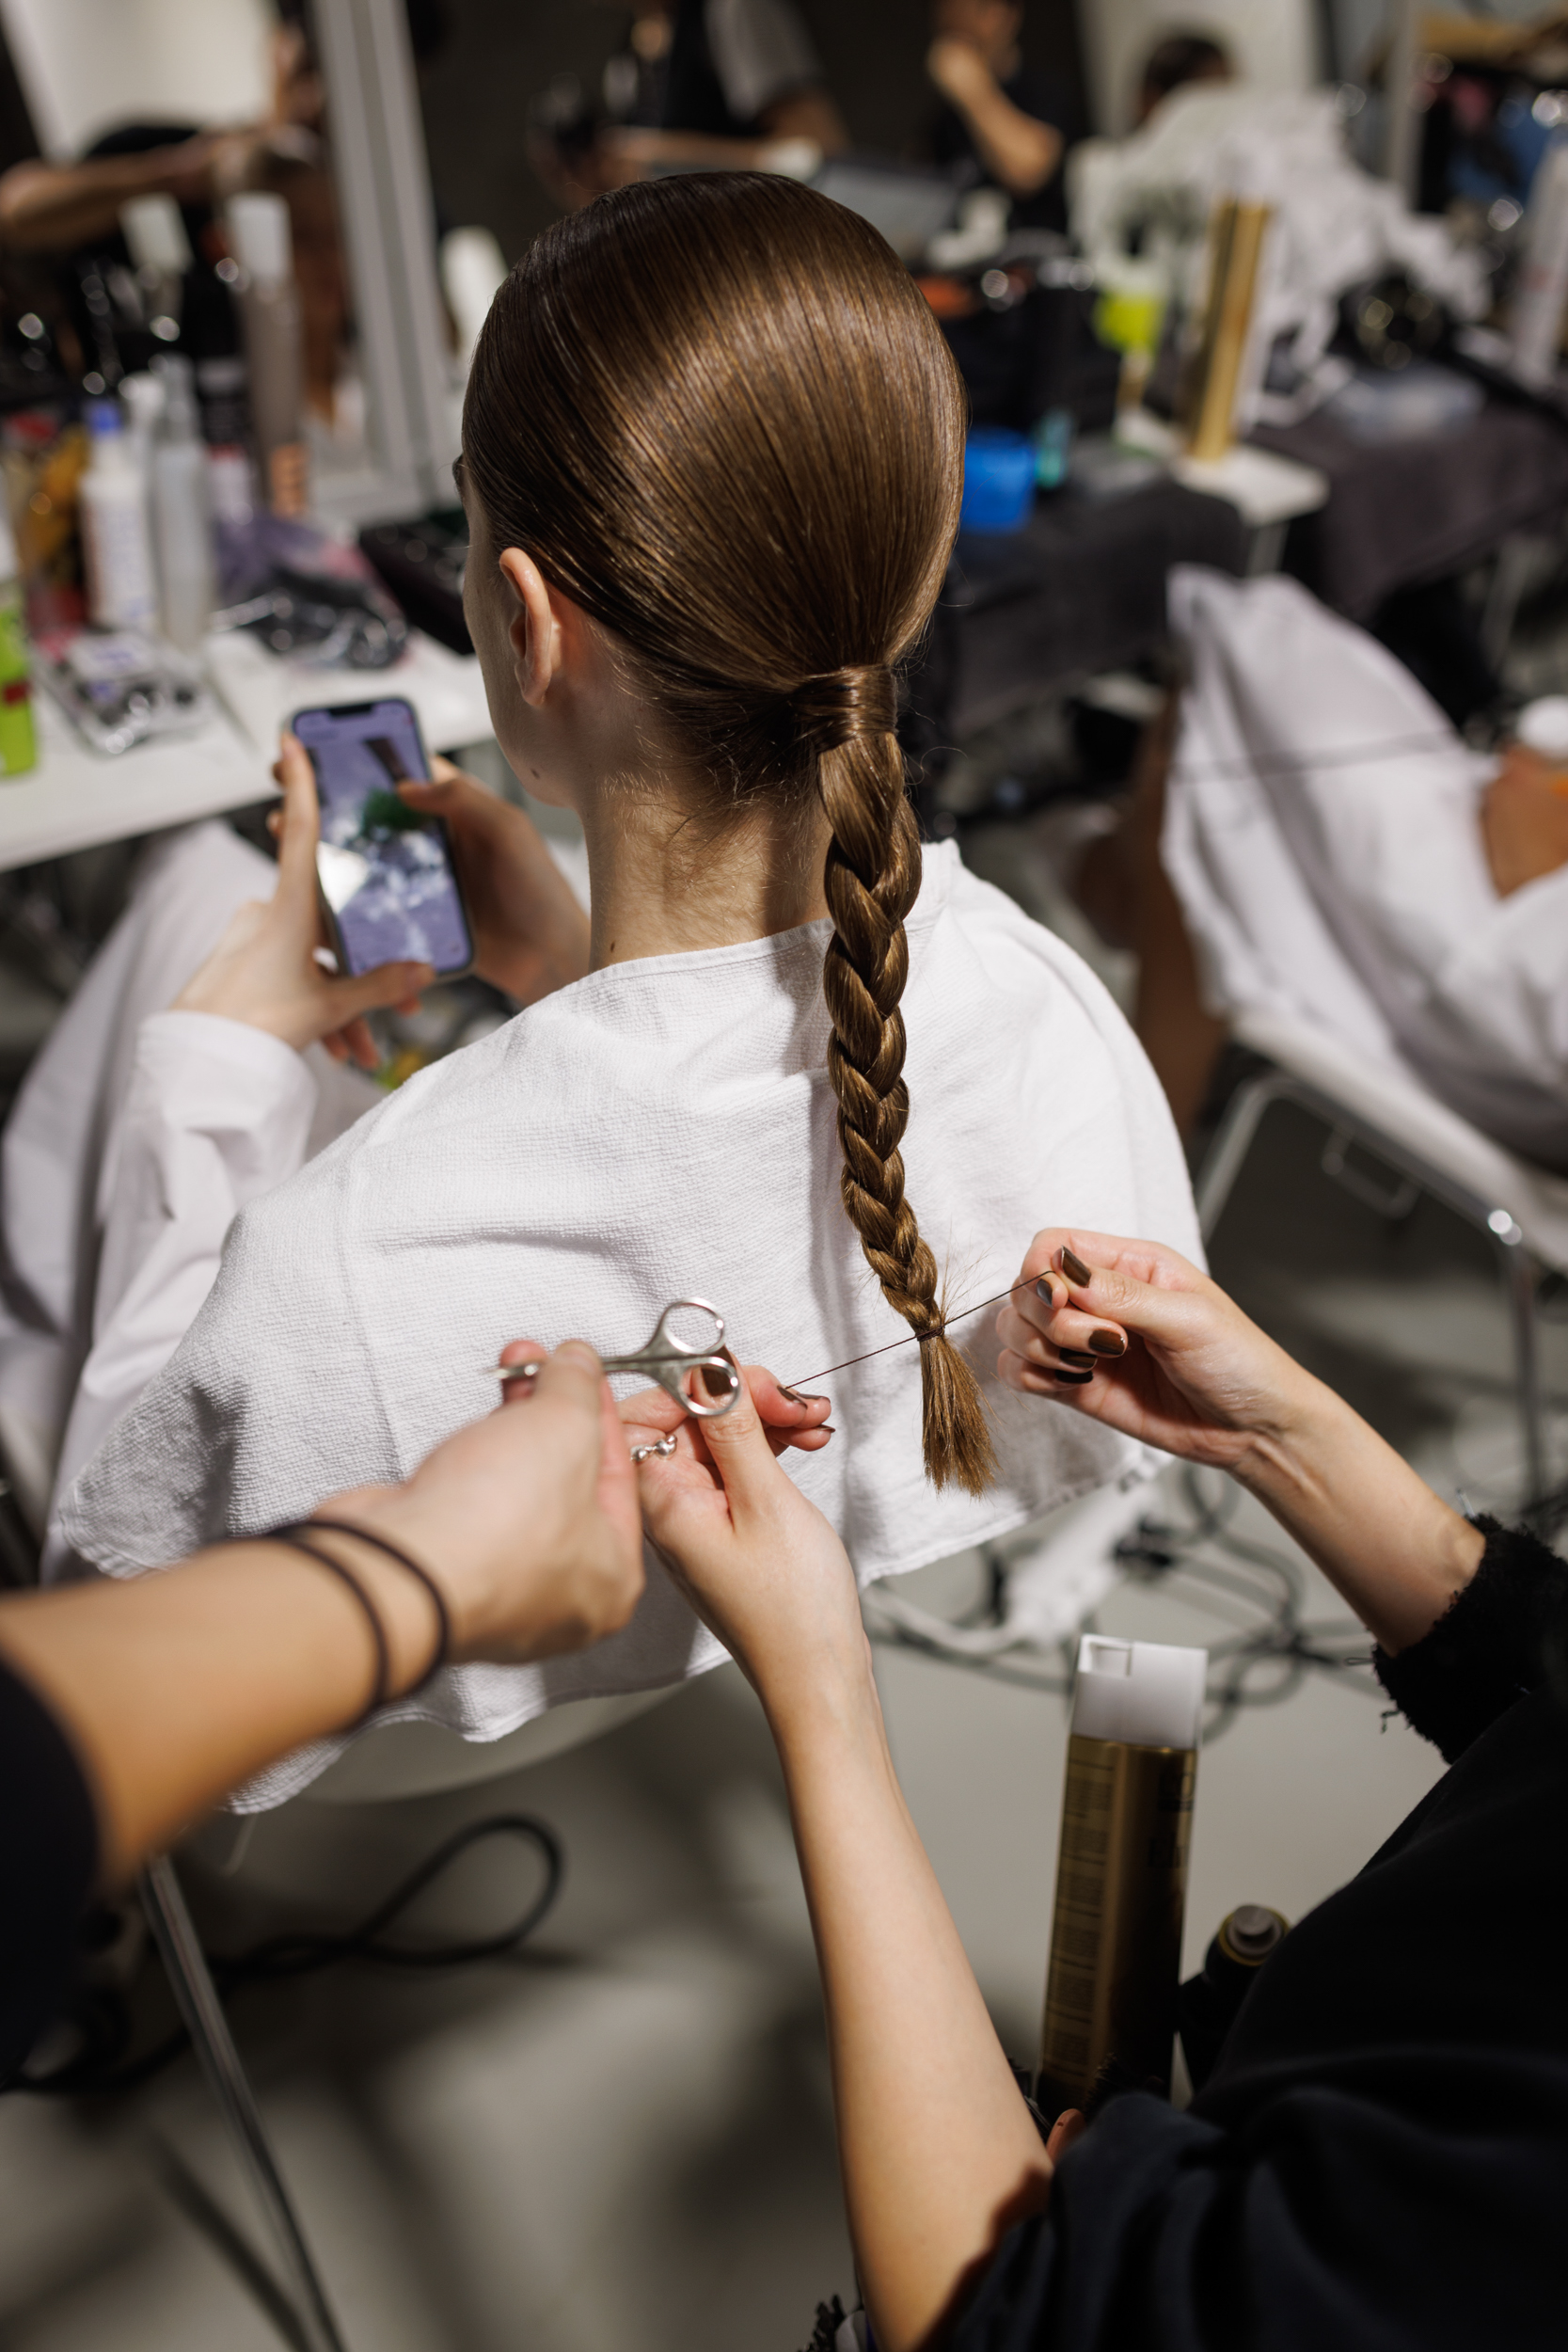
1121	1866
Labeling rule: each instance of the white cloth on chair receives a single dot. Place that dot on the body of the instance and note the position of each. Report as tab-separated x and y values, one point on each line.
1322	833
658	1130
102	1161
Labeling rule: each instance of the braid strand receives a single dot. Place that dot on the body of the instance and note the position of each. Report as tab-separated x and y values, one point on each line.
871	881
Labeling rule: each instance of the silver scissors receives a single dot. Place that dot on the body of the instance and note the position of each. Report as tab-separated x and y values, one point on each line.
670	1360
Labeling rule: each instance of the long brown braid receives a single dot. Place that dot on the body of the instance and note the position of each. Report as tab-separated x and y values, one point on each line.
872	879
718	414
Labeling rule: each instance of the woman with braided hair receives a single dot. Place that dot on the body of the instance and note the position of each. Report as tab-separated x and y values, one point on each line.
712	462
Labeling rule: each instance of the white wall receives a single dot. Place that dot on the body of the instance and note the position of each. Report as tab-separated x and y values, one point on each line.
1273	41
85	65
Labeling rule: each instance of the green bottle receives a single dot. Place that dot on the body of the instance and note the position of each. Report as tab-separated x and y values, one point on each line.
19	751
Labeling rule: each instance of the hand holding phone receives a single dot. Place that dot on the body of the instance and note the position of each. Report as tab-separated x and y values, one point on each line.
264	969
388	888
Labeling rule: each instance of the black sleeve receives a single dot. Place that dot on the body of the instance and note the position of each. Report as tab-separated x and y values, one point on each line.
1402	2202
1506	1633
48	1859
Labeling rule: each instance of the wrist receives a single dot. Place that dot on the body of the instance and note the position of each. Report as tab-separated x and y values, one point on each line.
416	1631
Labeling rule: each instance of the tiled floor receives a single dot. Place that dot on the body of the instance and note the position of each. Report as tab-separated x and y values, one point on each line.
622	2142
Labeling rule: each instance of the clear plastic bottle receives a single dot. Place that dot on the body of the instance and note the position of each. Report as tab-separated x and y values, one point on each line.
18	743
116	543
182	515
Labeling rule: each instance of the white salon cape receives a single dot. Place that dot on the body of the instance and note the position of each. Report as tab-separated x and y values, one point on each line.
1322	833
660	1130
136	1136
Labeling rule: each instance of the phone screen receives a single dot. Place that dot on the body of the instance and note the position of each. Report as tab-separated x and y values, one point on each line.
385	872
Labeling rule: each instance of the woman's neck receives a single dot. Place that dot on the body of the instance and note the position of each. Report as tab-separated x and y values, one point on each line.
666	879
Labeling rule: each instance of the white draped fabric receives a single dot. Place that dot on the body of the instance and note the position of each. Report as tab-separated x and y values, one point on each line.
658	1130
1322	833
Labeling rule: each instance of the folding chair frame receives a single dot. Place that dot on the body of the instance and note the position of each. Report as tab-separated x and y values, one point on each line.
1520	1270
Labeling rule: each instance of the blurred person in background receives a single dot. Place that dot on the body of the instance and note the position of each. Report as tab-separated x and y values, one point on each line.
715	85
1008	122
1172	63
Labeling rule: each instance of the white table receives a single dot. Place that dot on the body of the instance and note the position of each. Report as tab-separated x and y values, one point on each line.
76	796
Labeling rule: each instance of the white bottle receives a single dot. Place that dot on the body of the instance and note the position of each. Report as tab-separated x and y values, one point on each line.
121	590
181	516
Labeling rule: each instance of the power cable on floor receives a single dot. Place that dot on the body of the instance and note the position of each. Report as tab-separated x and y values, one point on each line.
1255	1587
101	2013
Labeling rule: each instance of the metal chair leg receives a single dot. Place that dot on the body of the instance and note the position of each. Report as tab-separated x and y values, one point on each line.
1227	1155
1519	1272
186	1963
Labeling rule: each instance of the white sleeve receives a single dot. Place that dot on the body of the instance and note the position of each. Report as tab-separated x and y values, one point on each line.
216	1114
761	52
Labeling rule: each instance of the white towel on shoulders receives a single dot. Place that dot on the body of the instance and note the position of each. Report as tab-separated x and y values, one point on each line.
658	1130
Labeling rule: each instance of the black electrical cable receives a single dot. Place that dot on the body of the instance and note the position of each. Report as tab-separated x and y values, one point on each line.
1270	1588
102	2014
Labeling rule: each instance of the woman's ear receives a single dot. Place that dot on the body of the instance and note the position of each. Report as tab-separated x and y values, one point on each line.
534	628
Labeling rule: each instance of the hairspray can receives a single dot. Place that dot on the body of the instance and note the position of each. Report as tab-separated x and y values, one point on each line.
1121	1867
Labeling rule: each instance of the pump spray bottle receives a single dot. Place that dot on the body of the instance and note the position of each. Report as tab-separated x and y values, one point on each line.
1121	1867
122	592
181	519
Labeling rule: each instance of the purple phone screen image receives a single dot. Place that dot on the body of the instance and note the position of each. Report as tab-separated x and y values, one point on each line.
384	870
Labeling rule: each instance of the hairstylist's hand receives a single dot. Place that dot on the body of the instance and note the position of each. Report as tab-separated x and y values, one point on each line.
263	970
758	1563
527	1520
788	1418
1133	1335
531	936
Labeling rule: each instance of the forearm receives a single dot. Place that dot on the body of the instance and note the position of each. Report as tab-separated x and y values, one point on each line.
175	1688
938	2151
1017	150
46	207
1395	1549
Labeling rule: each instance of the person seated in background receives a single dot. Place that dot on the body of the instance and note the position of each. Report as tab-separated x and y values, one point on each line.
719	1105
998	114
1307	833
721	84
1173	62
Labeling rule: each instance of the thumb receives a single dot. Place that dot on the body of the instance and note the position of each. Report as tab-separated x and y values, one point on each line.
369	992
742	1456
1119	1292
301	830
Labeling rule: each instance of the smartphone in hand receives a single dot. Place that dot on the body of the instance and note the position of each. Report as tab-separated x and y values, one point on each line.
388	883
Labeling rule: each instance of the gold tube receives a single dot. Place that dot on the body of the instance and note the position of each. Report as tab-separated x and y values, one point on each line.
1236	233
1116	1937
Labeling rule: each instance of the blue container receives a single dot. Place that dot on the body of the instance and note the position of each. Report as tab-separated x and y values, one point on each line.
999	480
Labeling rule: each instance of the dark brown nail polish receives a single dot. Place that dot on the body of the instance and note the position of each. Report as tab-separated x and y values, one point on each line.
1107	1344
1045	1288
1073	1267
1075	1356
714	1382
1073	1379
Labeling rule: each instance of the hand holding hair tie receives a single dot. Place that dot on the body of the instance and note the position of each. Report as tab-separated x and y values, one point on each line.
1133	1335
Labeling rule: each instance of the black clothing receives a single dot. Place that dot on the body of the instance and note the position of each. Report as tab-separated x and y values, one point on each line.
1380	2159
48	1860
698	96
948	143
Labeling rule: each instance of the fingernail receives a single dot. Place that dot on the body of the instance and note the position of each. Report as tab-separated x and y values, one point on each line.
714	1382
1073	1380
1075	1356
798	1396
1045	1288
1072	1266
1107	1344
827	1430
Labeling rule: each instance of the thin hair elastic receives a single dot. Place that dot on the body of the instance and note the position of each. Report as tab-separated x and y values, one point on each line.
292	1538
437	1599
